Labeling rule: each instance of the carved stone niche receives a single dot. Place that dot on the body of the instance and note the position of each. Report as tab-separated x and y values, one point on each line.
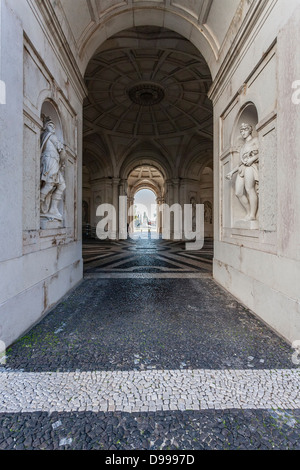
243	179
53	160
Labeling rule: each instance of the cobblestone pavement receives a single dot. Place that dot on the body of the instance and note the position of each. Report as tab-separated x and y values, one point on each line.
149	353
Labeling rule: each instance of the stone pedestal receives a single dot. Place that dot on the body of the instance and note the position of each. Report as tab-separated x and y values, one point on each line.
247	224
47	224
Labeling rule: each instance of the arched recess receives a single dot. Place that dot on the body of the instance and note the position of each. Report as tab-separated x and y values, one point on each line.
50	109
96	188
195	166
248	114
98	164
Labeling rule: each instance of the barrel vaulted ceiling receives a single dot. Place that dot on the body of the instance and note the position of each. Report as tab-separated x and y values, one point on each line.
145	176
91	21
148	66
148	87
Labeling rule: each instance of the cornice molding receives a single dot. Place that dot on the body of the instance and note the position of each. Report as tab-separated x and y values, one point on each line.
45	14
236	51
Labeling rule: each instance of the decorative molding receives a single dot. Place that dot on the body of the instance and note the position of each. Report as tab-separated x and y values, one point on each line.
266	120
243	88
205	10
146	93
239	46
48	21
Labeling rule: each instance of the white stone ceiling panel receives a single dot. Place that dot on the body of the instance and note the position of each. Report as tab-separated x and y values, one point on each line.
145	174
103	6
78	16
205	22
192	7
220	17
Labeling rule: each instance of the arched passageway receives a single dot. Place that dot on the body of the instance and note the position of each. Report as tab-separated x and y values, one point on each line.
145	213
146	71
147	107
145	194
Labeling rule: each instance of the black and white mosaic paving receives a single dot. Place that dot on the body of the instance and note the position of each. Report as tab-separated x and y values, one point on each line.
149	353
145	256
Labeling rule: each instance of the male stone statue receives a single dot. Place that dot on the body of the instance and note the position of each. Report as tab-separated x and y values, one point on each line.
52	164
247	173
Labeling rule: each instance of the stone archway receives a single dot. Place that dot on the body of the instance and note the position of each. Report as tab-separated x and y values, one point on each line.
146	177
147	103
189	22
145	212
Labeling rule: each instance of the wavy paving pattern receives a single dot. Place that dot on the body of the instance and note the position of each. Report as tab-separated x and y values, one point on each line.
146	258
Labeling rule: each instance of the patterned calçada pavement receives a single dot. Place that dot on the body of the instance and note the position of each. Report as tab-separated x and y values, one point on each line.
149	353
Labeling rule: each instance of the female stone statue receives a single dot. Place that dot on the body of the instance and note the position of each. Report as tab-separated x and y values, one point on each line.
247	173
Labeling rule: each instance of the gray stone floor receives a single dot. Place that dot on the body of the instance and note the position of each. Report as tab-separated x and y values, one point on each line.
149	353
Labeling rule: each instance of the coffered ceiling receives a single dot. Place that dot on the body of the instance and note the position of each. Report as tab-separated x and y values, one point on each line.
148	85
148	66
145	176
142	91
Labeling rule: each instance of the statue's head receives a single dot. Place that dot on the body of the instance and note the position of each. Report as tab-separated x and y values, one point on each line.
48	124
246	130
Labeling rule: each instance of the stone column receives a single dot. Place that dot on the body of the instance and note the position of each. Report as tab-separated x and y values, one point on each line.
176	191
115	194
123	187
159	202
177	231
130	202
169	192
123	210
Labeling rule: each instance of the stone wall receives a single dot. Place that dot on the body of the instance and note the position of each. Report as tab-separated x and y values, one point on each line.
38	264
258	262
